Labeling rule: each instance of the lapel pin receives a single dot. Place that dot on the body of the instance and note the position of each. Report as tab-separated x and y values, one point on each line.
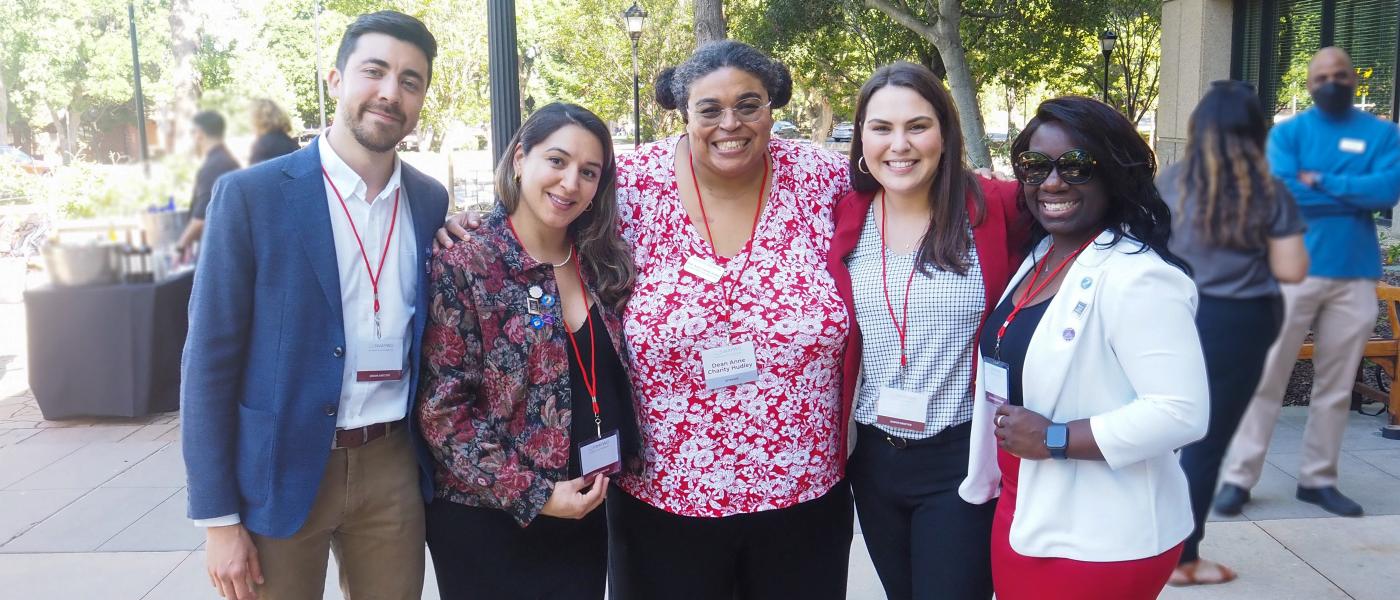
537	322
547	301
1069	334
536	292
1086	282
1079	308
532	306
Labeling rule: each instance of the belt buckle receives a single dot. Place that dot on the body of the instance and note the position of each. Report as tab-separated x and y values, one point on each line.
896	441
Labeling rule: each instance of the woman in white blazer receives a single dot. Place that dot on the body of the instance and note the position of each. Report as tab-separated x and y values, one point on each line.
1091	375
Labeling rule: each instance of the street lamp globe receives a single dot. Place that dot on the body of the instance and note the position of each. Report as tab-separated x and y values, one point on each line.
1107	40
636	17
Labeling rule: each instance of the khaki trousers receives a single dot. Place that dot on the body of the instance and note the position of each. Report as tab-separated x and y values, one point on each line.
369	511
1342	314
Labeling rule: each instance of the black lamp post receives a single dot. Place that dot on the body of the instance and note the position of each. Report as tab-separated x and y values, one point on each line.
636	18
1107	40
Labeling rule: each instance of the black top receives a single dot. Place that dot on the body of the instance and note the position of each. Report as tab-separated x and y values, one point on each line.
1016	341
216	164
614	394
272	145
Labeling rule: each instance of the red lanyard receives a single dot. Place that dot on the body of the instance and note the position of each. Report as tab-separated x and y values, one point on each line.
373	274
901	327
753	232
590	378
1032	289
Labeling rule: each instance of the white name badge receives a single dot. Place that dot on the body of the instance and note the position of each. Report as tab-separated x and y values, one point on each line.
704	268
380	360
901	408
602	455
729	365
1352	146
995	379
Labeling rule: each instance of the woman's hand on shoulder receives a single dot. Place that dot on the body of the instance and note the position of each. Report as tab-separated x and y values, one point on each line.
458	227
987	173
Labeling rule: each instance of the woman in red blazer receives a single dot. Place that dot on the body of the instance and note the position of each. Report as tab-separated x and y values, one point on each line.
922	250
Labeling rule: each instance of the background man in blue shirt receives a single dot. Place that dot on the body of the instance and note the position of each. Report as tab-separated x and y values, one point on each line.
1342	164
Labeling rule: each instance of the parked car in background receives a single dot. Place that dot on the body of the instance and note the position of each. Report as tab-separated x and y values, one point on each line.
786	130
15	156
306	136
410	143
843	132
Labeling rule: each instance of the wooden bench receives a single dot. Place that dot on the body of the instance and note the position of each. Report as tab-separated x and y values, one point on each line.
1384	352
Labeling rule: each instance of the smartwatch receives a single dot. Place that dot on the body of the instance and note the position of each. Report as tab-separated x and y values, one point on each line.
1057	440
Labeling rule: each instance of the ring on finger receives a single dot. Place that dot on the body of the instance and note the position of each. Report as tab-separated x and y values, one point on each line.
997	421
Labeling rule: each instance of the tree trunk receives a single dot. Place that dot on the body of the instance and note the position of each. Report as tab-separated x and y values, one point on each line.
947	39
961	83
709	21
184	44
821	126
4	113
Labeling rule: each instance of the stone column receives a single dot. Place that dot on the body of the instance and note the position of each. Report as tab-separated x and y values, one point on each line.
1196	43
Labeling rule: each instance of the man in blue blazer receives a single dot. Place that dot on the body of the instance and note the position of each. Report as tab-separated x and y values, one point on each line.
301	364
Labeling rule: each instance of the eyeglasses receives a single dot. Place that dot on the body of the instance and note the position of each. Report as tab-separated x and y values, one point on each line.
746	111
1076	167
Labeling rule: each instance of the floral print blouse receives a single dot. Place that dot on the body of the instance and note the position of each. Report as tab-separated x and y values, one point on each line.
771	443
495	403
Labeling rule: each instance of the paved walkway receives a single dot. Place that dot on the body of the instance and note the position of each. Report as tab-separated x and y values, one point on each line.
94	509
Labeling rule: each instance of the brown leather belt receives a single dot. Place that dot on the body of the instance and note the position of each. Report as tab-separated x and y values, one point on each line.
359	436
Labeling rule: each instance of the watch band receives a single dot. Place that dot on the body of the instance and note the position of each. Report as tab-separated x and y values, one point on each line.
1057	440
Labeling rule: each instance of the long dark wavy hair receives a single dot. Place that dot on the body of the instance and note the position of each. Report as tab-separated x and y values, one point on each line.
1125	165
603	253
946	245
1225	169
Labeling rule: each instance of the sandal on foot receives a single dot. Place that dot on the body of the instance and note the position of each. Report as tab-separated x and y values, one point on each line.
1201	572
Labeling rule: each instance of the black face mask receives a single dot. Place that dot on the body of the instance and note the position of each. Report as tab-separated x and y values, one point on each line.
1333	98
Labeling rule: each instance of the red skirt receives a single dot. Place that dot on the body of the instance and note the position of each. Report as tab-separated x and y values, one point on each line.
1019	577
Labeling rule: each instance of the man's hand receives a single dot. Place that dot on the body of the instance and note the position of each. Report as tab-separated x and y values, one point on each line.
1021	432
457	227
1310	178
569	501
232	561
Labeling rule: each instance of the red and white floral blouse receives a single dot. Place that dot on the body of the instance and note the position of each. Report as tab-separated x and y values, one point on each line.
771	443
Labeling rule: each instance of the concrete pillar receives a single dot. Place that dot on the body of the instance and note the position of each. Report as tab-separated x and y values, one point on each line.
1196	43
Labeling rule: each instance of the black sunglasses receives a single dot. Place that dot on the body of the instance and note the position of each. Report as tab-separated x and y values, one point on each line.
1076	167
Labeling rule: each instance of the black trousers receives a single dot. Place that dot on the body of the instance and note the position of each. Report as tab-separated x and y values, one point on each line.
481	553
926	541
1235	338
802	551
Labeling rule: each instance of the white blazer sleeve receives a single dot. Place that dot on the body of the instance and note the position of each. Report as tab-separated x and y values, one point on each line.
1150	321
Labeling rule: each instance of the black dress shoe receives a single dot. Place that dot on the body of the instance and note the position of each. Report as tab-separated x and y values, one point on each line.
1230	500
1331	500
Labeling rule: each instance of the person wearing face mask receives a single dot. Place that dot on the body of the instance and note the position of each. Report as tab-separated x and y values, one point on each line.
1341	164
923	249
1091	372
525	404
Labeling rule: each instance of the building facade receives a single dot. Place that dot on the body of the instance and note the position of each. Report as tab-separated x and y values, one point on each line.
1269	43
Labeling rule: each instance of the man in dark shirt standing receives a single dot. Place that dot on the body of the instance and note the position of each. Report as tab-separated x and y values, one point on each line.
209	141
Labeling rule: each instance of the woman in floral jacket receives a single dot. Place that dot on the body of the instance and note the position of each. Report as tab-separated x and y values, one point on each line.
525	402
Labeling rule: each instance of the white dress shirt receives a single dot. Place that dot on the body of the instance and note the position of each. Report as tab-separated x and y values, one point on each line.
367	403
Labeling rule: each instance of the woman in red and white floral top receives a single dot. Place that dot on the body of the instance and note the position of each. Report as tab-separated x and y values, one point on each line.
735	330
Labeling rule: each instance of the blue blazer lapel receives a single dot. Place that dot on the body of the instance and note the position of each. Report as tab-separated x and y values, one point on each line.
306	192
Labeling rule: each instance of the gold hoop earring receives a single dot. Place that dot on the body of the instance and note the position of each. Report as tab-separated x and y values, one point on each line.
860	166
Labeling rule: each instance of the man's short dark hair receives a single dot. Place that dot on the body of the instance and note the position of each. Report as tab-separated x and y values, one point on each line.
210	122
391	23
